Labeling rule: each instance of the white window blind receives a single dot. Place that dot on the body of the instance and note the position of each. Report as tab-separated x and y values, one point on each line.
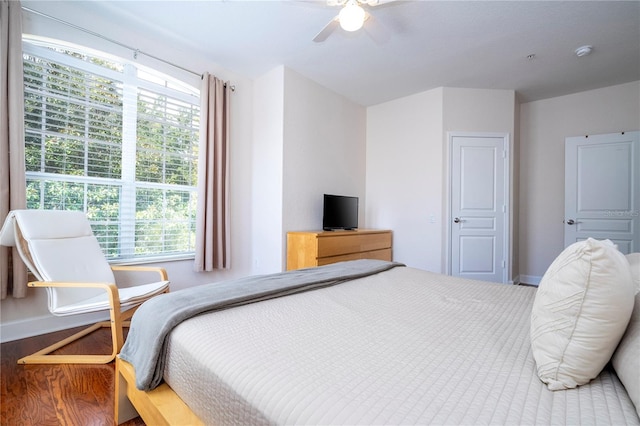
116	142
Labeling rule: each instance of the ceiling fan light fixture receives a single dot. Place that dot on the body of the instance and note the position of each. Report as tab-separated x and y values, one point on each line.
583	51
352	16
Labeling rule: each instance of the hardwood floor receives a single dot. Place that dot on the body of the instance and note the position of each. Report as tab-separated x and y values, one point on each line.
71	394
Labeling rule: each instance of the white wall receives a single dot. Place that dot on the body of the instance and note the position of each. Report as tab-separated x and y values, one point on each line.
325	142
544	125
404	176
403	160
407	163
479	110
266	171
308	140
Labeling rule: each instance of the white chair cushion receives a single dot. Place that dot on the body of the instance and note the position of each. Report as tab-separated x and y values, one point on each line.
52	224
580	312
61	247
129	297
71	260
7	234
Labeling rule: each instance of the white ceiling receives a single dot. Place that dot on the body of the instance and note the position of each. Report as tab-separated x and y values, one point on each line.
470	44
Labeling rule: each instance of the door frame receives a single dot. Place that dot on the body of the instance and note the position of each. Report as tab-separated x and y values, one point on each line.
448	256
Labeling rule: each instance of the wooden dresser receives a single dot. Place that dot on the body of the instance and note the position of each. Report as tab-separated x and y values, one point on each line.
317	248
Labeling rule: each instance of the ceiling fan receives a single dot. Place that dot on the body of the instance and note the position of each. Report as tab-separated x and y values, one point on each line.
352	16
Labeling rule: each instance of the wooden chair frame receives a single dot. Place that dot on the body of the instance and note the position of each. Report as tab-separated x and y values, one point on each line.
118	320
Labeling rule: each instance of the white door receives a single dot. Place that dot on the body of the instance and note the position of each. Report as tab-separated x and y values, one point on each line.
478	207
602	189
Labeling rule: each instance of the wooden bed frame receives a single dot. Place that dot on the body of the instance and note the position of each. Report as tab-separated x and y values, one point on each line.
161	406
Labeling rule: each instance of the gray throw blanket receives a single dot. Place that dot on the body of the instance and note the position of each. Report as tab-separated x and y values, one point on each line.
145	346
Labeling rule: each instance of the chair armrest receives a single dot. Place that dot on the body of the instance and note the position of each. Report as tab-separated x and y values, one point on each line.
161	271
106	286
110	288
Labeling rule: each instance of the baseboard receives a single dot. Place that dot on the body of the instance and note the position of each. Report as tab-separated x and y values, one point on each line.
16	330
529	279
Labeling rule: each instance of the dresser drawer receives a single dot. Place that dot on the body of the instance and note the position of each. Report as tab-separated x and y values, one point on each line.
353	243
384	254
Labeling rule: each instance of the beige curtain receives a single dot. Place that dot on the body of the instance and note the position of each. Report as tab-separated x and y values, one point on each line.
212	218
13	273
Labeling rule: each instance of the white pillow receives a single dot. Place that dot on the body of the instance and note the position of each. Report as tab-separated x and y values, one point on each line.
580	312
626	359
634	262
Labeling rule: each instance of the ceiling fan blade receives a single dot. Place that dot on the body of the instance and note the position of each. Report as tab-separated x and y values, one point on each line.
376	2
326	31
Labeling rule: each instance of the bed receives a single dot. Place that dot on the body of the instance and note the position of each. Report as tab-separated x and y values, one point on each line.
398	346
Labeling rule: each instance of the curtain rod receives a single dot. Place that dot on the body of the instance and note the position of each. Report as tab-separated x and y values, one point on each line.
136	52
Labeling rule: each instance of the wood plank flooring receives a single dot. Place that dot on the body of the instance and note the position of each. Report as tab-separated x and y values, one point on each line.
71	394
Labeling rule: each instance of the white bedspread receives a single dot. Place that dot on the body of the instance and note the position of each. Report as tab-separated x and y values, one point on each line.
401	347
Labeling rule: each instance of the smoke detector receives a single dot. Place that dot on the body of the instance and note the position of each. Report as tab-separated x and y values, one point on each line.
584	51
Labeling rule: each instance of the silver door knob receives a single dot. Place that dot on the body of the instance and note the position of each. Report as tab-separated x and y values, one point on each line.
457	220
571	222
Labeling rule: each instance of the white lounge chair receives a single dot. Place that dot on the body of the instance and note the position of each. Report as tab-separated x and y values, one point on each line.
59	248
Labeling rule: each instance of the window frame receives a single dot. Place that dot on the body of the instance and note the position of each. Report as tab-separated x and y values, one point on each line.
127	184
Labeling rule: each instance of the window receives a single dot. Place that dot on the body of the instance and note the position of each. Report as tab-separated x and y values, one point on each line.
116	141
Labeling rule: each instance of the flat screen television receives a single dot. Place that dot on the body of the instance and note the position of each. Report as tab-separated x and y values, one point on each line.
339	212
